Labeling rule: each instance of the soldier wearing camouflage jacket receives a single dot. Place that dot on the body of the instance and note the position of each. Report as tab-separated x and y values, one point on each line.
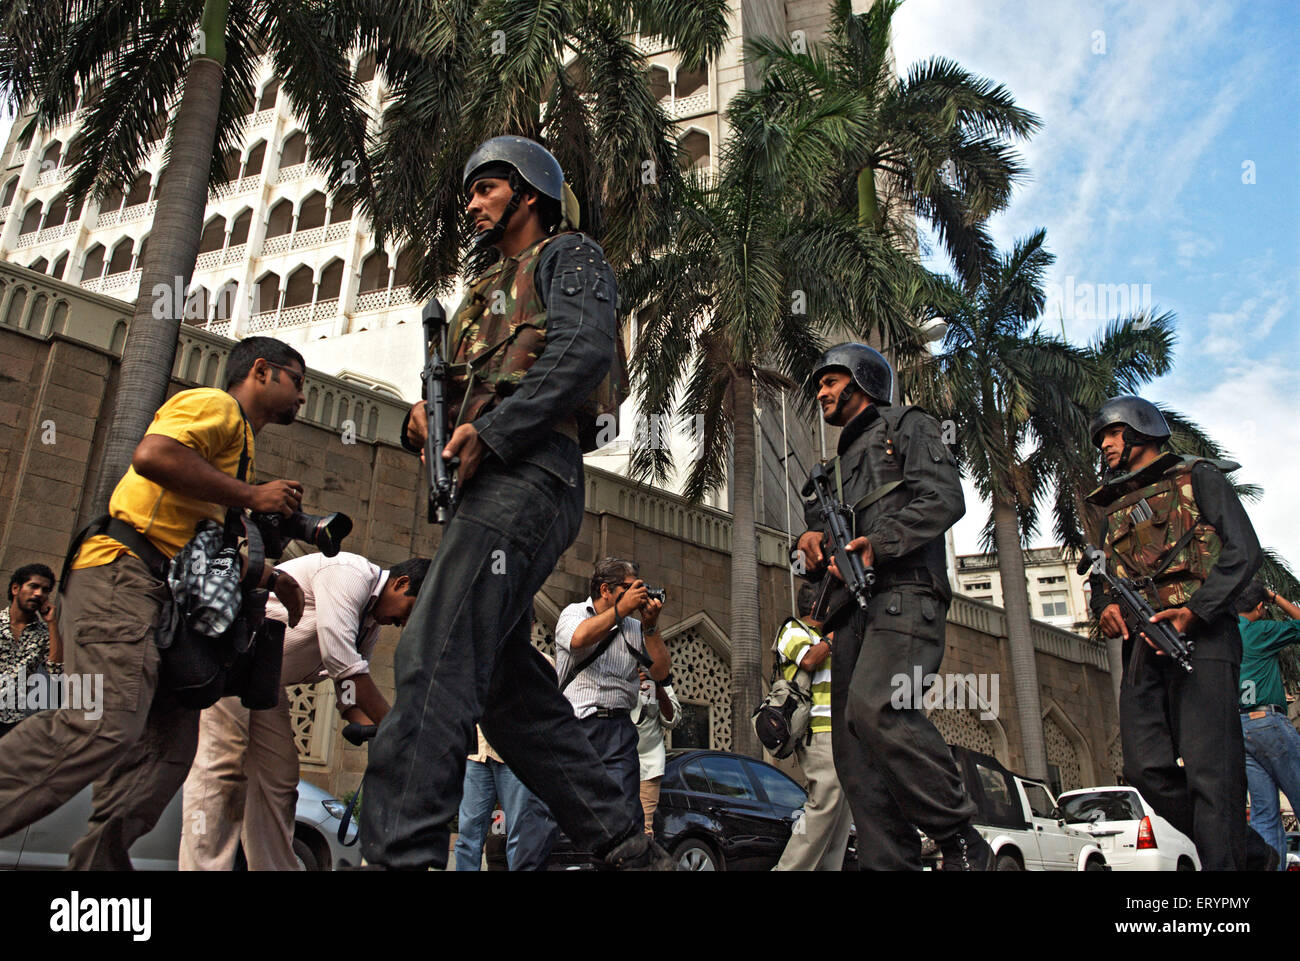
1174	525
535	362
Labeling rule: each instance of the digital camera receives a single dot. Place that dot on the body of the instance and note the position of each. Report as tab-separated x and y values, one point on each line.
322	531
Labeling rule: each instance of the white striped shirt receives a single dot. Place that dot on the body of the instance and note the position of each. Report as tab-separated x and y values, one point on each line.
612	682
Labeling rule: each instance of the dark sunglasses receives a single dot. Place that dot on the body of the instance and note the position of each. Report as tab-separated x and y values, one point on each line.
297	378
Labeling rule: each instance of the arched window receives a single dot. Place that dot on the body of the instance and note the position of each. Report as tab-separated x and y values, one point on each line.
311	213
36	318
224	301
372	423
40	263
366	68
331	280
74	212
402	275
16	304
58	212
229	166
327	410
343	410
374	272
297	290
94	265
660	82
112	200
268	292
280	220
313	396
239	229
267	100
256	156
31	219
10	189
51	156
294	150
695	149
196	306
139	193
60	265
192	364
119	337
210	370
214	235
120	262
141	252
59	322
342	210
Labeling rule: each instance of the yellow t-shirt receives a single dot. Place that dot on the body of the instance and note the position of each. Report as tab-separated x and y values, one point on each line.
209	422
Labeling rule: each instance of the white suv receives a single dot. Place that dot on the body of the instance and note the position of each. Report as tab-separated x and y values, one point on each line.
1132	836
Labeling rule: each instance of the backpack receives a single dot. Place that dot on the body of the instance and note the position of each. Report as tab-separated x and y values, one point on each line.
784	716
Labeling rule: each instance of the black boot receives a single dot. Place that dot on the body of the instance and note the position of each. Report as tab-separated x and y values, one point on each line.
638	852
966	851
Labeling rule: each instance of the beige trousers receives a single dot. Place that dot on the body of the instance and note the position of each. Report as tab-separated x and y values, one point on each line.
244	783
136	753
821	836
650	801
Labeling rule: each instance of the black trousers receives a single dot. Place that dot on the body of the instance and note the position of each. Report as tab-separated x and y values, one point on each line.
465	657
893	764
1166	714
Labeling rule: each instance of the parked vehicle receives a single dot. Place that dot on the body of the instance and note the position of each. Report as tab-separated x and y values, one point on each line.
719	811
1021	821
45	844
1293	851
1130	833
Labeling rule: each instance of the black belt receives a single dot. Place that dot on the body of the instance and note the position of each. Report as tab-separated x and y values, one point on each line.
610	712
907	577
1271	708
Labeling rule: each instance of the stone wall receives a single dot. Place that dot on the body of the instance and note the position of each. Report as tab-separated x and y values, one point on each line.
57	389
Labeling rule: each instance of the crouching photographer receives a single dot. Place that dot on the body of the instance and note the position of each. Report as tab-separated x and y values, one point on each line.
194	463
599	645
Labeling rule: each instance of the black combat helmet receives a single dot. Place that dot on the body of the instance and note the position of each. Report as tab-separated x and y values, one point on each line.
536	165
866	365
1140	415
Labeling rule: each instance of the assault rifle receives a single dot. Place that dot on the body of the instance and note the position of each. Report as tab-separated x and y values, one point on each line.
443	492
858	578
1137	612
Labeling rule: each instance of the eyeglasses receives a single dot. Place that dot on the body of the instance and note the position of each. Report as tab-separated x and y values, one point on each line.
297	378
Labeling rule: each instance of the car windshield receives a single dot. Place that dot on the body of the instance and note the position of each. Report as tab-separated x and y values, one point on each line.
1099	806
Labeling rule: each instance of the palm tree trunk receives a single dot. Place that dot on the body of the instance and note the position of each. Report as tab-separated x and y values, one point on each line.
1015	601
150	347
746	644
868	205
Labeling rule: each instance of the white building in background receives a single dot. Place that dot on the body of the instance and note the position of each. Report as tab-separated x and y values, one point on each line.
279	257
1058	595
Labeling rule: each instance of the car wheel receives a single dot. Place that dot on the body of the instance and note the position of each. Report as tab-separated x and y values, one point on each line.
1007	863
1095	864
695	856
305	855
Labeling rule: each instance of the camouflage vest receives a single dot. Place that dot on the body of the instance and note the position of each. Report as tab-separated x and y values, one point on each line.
1175	537
497	334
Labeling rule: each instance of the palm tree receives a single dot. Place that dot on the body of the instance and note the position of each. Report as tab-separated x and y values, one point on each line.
717	329
933	144
185	69
566	73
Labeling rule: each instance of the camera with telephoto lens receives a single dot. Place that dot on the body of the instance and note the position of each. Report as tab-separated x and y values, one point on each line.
322	531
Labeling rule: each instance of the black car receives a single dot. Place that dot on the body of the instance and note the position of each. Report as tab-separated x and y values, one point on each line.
719	811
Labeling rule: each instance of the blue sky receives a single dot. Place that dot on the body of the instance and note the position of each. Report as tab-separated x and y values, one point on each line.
1155	115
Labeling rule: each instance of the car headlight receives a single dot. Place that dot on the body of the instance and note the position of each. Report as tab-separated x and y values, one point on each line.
335	807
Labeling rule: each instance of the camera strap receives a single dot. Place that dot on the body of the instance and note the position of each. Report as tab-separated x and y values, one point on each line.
614	632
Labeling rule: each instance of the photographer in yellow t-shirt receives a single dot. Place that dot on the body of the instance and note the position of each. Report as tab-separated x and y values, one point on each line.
139	749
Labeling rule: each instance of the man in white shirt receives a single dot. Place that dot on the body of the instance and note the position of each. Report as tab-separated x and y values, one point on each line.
245	772
657	710
598	664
